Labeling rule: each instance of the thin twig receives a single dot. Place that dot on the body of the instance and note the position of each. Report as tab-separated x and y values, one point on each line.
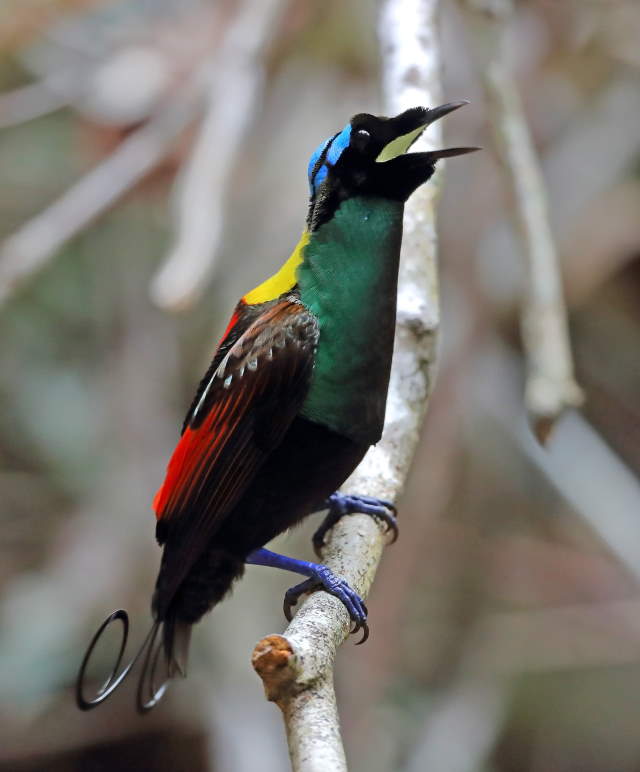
37	241
233	97
551	387
297	667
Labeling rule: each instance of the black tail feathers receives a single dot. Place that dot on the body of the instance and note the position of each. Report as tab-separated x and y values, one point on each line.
176	637
157	670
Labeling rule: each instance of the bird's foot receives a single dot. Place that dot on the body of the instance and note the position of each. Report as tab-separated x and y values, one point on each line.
320	578
340	504
323	578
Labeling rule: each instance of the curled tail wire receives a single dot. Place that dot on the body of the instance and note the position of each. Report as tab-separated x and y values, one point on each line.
148	695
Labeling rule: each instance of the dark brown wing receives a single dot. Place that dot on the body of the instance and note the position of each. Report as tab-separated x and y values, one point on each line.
242	318
242	414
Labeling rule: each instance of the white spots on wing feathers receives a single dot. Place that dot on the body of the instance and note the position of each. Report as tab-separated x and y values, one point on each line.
302	334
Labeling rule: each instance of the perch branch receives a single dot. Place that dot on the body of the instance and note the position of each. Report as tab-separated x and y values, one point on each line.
551	387
198	203
297	667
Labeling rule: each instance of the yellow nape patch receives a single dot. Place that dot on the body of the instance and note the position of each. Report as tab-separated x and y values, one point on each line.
282	281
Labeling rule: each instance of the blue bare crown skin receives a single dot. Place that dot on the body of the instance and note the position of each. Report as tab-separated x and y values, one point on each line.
337	145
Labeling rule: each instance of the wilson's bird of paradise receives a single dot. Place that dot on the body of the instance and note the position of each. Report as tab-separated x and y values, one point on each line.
294	397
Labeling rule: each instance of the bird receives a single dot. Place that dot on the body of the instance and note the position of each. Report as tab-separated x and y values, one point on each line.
292	401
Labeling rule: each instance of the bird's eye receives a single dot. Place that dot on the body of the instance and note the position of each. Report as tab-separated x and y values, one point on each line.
361	140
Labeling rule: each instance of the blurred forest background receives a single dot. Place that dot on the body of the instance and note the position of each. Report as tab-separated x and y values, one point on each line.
506	620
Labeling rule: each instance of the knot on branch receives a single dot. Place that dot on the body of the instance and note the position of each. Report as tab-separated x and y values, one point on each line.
274	661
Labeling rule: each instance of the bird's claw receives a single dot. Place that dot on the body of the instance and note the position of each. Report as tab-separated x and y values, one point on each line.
340	504
292	595
324	579
365	631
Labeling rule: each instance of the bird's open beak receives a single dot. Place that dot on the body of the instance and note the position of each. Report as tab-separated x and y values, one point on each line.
408	126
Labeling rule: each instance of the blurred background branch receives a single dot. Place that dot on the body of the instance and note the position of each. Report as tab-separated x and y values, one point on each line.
551	387
20	21
37	241
35	100
233	100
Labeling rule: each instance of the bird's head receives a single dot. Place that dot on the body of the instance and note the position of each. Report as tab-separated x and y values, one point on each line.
369	158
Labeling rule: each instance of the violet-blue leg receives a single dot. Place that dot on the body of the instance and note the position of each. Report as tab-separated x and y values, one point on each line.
341	504
320	578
